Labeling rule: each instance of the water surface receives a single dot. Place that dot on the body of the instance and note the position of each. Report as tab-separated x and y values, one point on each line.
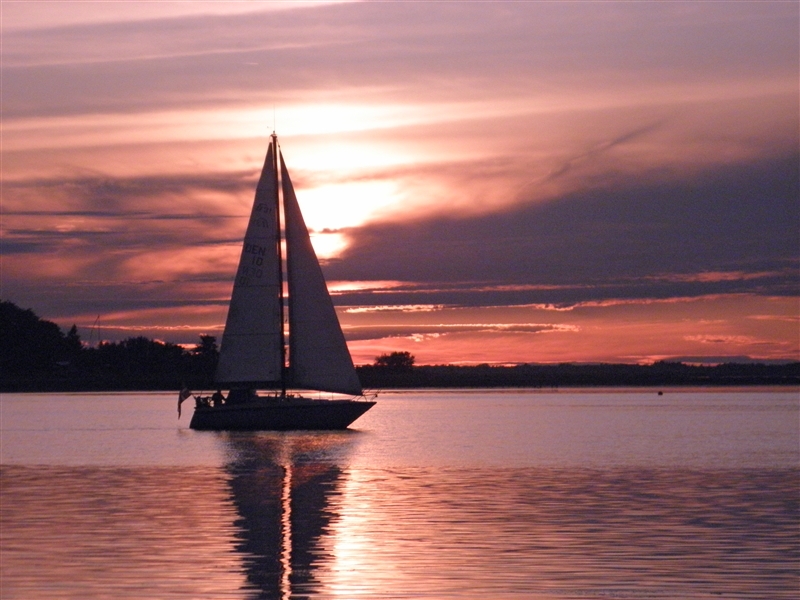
450	494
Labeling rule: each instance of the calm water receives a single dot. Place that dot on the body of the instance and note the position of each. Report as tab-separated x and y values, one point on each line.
490	494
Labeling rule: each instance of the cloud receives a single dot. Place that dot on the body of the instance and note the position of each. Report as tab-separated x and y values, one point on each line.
721	339
428	50
406	308
101	194
103	243
604	147
656	239
725	359
89	226
439	329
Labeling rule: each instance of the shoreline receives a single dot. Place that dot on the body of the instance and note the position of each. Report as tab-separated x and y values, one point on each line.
661	375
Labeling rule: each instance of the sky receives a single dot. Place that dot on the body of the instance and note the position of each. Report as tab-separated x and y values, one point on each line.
486	182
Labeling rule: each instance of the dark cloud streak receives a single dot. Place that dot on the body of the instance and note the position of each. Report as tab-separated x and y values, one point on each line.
605	147
618	242
97	187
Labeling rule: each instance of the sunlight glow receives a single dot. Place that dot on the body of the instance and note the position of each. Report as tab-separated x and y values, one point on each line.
338	287
328	245
332	207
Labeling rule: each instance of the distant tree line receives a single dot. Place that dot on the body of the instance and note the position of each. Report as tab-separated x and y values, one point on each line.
659	374
401	362
35	355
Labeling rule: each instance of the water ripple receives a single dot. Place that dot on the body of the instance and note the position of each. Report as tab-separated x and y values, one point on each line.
177	532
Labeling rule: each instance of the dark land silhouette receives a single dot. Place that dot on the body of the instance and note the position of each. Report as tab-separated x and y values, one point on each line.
36	356
660	374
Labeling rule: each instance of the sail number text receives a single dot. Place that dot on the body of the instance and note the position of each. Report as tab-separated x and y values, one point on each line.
251	263
263	216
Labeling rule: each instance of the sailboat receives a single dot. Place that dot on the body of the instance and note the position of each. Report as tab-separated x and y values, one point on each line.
256	351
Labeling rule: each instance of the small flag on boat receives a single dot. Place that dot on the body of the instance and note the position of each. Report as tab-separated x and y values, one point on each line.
183	395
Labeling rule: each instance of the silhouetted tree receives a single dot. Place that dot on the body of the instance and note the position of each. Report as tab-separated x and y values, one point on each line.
72	344
30	345
399	361
204	357
139	360
207	348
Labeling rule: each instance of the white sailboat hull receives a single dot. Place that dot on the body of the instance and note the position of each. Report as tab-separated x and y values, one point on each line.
272	414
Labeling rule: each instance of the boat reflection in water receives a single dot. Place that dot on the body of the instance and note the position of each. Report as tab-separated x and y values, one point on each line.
283	486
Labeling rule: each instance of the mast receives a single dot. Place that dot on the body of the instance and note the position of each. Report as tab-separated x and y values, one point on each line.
280	264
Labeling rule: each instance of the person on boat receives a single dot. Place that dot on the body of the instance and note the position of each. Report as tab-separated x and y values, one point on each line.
217	399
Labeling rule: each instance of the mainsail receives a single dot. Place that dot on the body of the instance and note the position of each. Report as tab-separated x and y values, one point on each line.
252	351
